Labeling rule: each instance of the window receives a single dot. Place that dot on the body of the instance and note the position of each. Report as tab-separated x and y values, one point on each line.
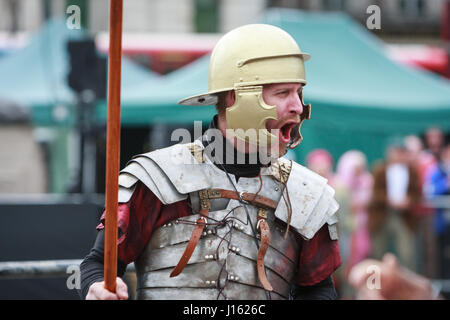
412	8
206	18
333	5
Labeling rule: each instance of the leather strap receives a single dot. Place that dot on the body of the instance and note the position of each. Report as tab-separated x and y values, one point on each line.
256	200
263	246
193	241
205	204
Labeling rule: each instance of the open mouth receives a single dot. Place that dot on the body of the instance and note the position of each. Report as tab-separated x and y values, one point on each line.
285	131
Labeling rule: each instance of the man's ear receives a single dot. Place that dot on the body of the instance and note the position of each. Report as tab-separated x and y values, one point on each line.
230	98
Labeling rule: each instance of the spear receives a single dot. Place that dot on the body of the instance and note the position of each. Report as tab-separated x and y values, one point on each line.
113	143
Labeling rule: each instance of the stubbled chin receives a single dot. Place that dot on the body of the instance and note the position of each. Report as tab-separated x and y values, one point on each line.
281	145
281	149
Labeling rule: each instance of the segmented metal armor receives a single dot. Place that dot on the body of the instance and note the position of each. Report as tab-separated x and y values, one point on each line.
241	241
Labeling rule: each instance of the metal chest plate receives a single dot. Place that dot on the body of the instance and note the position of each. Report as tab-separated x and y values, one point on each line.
223	265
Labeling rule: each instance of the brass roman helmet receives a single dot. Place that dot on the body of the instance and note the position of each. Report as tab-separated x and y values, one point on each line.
244	60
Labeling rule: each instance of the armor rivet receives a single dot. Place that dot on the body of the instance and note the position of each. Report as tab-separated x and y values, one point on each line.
207	257
209	232
213	282
208	282
204	233
241	227
231	277
277	189
236	278
169	225
304	183
233	248
238	250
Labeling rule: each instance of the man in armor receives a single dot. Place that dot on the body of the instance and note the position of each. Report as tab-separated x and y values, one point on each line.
226	216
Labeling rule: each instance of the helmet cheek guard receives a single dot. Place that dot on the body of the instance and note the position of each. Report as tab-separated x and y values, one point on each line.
297	138
241	115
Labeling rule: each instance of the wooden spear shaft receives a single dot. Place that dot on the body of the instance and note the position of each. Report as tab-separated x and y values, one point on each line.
113	143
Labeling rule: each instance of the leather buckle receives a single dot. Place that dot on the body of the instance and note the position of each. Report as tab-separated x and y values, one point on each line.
241	194
204	219
262	213
258	223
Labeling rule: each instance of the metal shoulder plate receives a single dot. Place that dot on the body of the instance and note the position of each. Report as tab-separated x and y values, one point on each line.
311	199
170	173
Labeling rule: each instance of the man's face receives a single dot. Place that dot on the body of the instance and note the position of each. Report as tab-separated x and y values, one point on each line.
285	96
397	155
322	166
445	156
434	138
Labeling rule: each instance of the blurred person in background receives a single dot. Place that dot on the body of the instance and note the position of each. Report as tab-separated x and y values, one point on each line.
419	157
321	161
422	161
386	279
392	210
434	142
352	173
353	184
438	184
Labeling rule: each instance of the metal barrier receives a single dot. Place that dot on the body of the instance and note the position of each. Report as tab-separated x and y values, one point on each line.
51	198
41	269
59	268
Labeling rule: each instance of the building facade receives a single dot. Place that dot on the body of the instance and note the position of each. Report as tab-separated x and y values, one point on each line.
184	16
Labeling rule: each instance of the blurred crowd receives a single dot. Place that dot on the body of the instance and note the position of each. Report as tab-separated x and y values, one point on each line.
385	208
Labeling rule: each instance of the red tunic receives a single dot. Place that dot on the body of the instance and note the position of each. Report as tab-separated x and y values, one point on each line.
144	213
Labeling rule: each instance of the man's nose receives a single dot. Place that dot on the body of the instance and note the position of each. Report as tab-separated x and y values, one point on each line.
295	105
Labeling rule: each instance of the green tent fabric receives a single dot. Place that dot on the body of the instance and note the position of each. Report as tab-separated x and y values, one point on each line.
153	102
36	76
360	98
